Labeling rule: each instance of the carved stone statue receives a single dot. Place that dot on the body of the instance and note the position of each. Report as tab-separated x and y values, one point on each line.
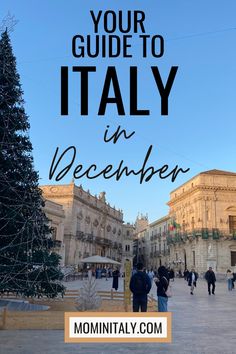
210	251
102	196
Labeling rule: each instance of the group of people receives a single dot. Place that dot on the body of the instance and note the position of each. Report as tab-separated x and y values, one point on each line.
141	283
142	279
231	277
140	286
192	277
107	273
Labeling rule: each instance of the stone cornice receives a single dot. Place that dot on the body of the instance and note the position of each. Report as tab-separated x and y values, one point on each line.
67	191
97	209
200	188
213	172
159	221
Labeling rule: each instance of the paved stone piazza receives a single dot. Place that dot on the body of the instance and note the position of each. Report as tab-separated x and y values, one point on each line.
202	324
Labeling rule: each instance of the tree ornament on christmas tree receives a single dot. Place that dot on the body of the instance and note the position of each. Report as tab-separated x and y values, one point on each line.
8	23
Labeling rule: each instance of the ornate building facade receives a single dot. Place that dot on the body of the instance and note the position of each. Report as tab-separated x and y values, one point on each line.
90	225
159	250
204	214
150	242
199	231
128	239
141	240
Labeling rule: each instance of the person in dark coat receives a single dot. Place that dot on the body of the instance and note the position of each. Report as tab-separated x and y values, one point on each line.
233	280
172	274
186	273
96	273
162	283
192	280
211	279
115	282
140	285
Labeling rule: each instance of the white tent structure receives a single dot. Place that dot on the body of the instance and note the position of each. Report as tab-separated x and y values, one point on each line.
99	260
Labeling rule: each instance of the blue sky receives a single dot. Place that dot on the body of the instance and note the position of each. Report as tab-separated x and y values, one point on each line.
199	131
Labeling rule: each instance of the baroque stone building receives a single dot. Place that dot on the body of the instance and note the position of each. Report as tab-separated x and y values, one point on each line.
90	225
199	231
203	211
150	242
128	239
141	241
159	250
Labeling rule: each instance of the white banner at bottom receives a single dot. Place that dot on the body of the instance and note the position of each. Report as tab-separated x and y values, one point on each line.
117	327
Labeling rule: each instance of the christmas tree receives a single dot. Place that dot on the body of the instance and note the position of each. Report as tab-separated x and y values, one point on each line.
27	265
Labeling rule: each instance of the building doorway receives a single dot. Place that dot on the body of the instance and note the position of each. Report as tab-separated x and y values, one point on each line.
185	260
103	252
233	258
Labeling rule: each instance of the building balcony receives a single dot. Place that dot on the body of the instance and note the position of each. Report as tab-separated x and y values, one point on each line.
107	242
158	236
80	235
85	237
101	241
89	238
155	237
204	233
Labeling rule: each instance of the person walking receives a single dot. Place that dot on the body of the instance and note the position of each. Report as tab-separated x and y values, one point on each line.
107	273
211	279
140	285
172	274
151	275
186	273
229	279
115	281
96	273
233	280
192	280
162	283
